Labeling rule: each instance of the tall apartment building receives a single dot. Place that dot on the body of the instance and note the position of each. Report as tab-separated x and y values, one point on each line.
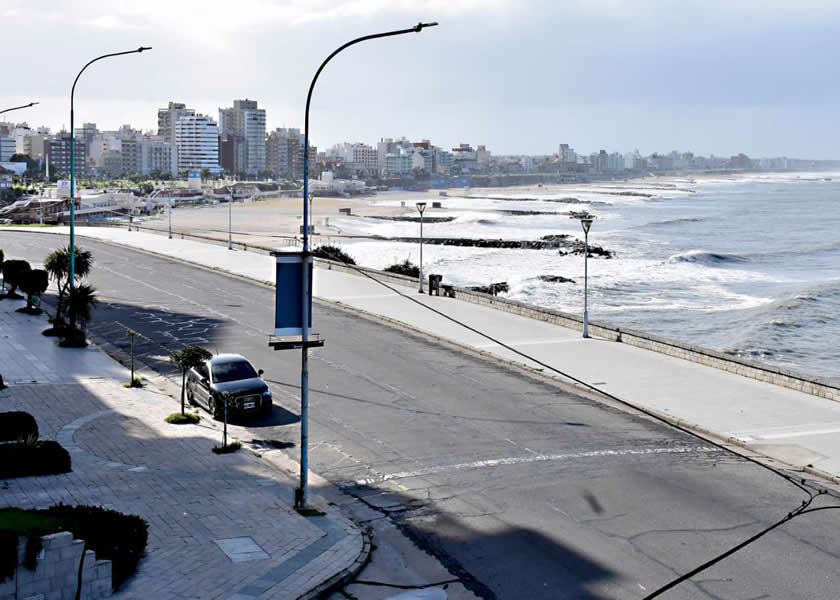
243	125
57	148
281	150
168	118
8	147
197	138
158	155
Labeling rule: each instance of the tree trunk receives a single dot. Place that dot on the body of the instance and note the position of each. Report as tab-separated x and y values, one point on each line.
183	385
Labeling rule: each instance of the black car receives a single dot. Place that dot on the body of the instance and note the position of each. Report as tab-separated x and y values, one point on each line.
230	374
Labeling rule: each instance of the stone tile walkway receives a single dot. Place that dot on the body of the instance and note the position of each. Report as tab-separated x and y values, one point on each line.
220	526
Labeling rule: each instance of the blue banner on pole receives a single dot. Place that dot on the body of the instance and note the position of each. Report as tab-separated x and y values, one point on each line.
288	317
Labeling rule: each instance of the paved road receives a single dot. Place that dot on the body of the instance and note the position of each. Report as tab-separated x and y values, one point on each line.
521	487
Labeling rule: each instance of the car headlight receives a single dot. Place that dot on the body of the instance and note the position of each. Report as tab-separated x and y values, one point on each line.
266	392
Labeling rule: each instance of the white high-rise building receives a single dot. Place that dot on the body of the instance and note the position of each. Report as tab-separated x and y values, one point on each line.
168	117
197	138
245	124
158	155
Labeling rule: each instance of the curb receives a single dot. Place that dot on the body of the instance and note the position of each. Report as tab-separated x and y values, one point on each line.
346	574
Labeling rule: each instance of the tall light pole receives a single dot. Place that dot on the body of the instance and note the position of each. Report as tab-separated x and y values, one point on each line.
586	223
73	164
170	218
421	206
5	110
230	221
306	291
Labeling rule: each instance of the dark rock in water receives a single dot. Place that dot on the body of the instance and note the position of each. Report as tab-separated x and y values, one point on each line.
412	219
493	289
577	247
562	241
555	279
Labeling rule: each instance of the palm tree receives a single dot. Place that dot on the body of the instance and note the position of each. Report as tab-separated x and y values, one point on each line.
57	264
80	301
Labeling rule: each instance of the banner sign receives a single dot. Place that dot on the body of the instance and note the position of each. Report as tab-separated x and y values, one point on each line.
288	318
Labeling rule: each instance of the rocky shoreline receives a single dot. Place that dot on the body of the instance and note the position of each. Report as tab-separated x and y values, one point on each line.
564	243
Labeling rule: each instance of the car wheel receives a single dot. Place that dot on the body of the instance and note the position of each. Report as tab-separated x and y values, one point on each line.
213	408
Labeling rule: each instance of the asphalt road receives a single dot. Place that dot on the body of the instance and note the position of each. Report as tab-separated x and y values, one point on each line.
521	487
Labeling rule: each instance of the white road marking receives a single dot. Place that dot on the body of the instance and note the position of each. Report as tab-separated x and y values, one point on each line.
517	460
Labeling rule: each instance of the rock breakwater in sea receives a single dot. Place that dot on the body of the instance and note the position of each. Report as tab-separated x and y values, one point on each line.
563	242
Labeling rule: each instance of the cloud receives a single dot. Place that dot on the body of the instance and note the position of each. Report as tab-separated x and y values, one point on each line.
109	22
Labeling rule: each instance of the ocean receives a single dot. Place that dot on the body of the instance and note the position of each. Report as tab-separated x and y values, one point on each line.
748	265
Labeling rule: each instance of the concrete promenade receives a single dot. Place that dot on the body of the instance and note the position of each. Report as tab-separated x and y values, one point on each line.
220	526
795	428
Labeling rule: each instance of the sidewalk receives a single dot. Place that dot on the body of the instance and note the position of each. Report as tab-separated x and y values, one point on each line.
796	428
220	526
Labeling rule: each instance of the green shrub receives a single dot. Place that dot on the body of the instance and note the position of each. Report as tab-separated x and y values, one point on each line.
183	419
32	457
232	447
16	425
114	536
13	273
333	253
34	283
406	268
70	337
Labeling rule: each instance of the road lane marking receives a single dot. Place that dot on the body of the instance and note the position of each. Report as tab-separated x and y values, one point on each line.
518	460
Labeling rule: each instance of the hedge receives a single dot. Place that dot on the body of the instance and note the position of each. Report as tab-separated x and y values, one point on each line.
39	458
17	424
114	536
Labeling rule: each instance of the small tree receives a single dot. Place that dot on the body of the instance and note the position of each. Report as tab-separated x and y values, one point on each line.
57	265
34	283
406	267
13	273
186	359
80	301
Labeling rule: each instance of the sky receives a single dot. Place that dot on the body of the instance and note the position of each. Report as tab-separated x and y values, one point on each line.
520	76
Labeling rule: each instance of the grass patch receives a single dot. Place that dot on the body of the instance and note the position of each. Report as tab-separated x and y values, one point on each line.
179	419
310	512
232	447
135	383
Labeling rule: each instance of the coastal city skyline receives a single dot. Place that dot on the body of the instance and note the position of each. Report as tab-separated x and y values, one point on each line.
517	77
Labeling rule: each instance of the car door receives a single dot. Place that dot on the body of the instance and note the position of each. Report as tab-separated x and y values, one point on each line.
202	385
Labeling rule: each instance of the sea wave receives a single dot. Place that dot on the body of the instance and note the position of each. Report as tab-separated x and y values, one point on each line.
677	220
706	257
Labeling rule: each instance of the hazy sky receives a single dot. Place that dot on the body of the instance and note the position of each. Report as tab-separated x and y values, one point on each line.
753	76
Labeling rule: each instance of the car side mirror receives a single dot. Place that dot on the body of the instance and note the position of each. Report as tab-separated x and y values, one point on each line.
260	372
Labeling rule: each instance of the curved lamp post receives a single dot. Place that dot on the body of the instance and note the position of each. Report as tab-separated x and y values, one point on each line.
421	206
5	110
586	223
73	164
300	495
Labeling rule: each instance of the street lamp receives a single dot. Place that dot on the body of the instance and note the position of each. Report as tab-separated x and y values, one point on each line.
421	206
5	110
73	166
306	291
170	218
586	223
230	221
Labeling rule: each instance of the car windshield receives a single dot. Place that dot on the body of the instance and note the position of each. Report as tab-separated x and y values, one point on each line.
232	371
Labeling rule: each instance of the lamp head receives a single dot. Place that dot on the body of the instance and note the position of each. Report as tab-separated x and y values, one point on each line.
586	223
419	27
421	206
141	48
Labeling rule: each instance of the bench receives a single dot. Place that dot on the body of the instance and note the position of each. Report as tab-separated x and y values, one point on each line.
448	291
